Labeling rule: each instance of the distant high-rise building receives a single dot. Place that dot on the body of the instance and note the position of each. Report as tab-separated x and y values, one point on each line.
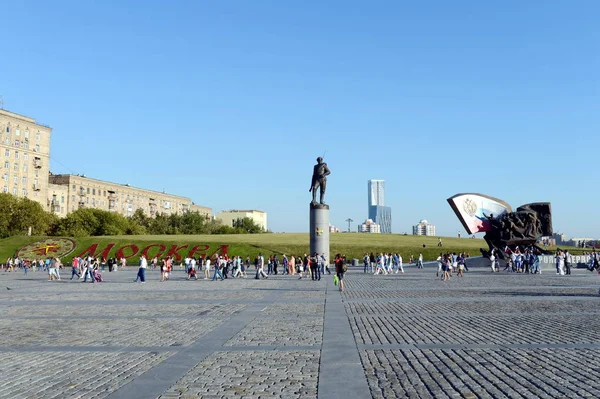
382	215
423	228
378	212
376	188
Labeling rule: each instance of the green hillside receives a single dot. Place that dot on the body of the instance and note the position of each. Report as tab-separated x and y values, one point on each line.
353	245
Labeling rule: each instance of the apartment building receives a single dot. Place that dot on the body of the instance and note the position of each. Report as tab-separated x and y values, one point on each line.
68	193
25	152
25	172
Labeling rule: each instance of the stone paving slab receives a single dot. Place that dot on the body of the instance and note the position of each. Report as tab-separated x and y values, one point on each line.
46	375
254	374
301	331
536	373
105	332
517	328
476	308
106	310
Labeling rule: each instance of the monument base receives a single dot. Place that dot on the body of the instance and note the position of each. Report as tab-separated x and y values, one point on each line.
319	230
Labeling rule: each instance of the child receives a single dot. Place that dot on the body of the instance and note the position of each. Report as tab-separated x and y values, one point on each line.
192	273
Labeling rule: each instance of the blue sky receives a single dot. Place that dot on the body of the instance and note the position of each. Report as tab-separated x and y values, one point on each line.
230	102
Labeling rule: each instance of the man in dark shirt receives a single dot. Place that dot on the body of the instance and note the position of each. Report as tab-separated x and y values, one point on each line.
315	271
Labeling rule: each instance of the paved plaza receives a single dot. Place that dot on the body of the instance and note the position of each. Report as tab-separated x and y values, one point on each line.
482	336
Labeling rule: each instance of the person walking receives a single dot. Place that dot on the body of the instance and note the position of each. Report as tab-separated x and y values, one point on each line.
260	267
567	261
292	265
275	263
340	270
75	268
141	274
365	263
493	261
315	271
219	265
420	262
207	268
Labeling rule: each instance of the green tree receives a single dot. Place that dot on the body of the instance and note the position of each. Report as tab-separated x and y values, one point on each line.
247	225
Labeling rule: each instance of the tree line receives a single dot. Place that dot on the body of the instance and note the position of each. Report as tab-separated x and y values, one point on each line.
19	215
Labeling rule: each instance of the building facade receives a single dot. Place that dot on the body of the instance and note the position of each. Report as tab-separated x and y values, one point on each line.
25	148
67	193
369	226
228	217
424	228
382	215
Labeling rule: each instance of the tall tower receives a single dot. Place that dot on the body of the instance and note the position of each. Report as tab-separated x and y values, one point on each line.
378	212
376	189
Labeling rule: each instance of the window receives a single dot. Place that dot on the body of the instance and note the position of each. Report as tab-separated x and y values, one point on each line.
17	143
25	169
14	191
88	190
87	200
7	131
16	154
72	198
26	134
93	201
5	188
62	199
35	182
26	145
105	193
24	179
26	157
6	165
36	172
16	179
73	187
7	153
37	136
37	148
16	166
17	132
5	177
93	191
24	192
62	209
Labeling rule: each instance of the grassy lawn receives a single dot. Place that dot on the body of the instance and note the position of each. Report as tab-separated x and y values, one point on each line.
353	245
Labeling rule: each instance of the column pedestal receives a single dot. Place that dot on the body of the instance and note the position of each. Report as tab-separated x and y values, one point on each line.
319	230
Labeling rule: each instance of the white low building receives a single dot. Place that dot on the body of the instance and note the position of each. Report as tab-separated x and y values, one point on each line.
228	217
369	226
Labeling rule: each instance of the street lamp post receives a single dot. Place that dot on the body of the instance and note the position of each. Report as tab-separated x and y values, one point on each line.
349	221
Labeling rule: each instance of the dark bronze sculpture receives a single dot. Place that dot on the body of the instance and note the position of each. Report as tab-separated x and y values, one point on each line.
319	181
506	228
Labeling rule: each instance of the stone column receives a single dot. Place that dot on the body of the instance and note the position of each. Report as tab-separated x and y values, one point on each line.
319	230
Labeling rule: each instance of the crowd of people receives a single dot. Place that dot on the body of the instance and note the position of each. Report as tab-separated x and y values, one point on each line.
221	267
387	263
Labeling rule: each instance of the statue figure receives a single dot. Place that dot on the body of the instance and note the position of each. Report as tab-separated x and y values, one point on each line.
319	181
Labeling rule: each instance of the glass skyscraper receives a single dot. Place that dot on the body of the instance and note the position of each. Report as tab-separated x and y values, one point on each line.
378	212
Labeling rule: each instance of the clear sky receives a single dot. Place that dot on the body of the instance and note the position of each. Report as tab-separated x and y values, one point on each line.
230	102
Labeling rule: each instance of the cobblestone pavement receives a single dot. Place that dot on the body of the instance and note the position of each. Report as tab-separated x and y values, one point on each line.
487	335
